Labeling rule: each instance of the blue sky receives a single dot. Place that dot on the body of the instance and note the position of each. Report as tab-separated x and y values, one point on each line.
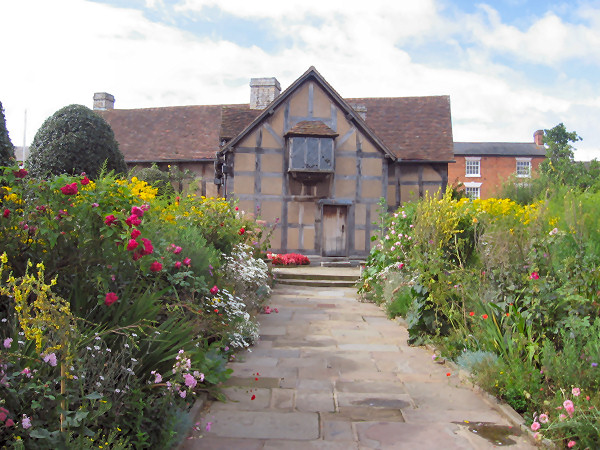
509	66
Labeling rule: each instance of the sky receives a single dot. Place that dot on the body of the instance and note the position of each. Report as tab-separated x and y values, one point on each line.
510	67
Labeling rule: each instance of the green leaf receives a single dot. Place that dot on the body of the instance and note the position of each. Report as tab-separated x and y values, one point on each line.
93	396
39	433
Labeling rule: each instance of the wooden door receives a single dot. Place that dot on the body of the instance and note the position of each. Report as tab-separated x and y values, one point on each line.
334	230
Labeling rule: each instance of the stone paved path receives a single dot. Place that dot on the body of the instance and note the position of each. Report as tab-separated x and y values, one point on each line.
332	373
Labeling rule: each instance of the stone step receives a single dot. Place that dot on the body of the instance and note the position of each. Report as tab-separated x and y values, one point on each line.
282	275
316	283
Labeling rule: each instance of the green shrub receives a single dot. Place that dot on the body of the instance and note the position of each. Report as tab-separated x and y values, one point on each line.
75	140
7	151
400	302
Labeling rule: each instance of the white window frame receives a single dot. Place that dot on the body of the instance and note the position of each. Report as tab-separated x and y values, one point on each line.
472	185
472	159
523	160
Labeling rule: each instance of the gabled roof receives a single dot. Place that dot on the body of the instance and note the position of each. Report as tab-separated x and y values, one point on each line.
311	73
499	149
405	128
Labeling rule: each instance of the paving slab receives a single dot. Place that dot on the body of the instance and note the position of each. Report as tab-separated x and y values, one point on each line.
265	425
330	372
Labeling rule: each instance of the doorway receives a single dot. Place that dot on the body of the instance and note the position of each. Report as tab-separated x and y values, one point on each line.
335	230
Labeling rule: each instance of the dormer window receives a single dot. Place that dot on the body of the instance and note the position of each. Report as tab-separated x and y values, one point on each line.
311	147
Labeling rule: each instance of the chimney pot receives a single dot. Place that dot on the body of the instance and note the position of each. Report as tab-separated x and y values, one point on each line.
538	137
263	91
103	101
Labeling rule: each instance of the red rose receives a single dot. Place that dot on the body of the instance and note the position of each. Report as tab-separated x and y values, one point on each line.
132	244
111	297
135	233
110	219
177	264
485	316
21	173
133	220
242	231
137	211
85	180
187	261
148	247
6	213
214	290
69	189
156	266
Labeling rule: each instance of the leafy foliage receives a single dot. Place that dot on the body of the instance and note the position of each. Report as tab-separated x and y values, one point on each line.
75	140
115	347
7	150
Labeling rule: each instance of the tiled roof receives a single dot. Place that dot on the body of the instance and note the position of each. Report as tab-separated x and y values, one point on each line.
413	128
166	134
235	119
311	128
498	149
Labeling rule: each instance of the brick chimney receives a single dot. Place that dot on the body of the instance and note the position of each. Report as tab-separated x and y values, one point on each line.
538	137
103	101
360	109
263	91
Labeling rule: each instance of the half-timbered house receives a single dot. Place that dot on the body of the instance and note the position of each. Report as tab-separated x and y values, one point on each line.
306	158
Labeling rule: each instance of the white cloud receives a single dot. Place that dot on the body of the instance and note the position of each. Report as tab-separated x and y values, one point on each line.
70	49
549	40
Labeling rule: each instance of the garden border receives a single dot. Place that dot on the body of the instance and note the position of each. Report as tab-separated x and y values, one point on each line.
496	404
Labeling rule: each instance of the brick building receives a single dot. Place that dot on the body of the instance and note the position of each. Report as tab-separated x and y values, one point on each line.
482	167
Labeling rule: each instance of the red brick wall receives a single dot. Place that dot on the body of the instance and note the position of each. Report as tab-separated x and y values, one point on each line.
493	170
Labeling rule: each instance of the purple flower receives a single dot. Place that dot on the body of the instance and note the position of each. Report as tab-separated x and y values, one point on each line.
190	381
26	422
50	359
7	342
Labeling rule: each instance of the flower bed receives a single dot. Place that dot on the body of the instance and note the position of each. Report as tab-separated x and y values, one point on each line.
288	259
510	293
118	306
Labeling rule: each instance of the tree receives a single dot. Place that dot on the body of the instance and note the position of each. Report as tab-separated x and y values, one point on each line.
75	140
7	150
559	165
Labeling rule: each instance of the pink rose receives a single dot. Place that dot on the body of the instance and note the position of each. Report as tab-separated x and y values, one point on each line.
535	426
135	233
156	266
177	264
148	247
111	297
214	290
110	219
133	220
569	407
137	211
132	244
187	261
